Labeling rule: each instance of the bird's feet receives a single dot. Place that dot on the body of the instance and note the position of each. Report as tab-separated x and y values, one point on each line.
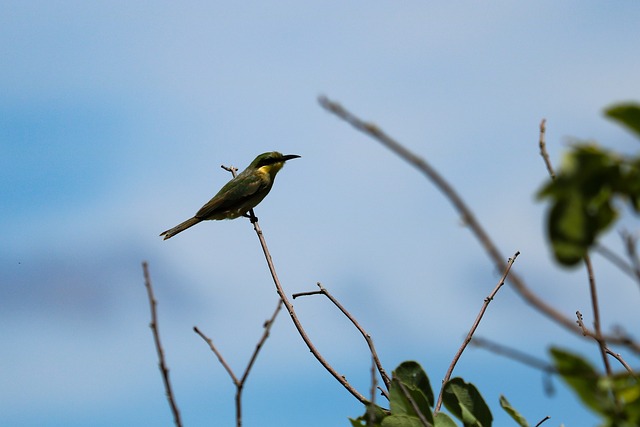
251	217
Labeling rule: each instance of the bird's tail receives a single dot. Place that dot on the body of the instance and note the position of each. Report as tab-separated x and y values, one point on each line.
180	227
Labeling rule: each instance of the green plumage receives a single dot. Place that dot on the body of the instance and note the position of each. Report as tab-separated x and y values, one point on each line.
239	195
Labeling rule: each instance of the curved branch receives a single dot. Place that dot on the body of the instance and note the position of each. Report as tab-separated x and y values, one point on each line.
468	217
365	335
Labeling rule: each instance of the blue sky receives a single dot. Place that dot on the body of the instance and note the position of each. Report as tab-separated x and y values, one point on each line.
114	120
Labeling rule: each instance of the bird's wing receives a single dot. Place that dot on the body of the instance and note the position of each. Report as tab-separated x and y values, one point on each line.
232	196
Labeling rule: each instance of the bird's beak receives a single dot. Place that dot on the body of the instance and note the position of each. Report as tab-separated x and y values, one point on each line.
289	157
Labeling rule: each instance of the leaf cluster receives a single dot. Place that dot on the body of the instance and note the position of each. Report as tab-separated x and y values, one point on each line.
616	399
583	193
412	401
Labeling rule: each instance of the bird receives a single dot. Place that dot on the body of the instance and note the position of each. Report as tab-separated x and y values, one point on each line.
238	196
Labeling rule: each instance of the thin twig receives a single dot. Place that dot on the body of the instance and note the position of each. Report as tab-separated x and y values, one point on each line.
596	314
374	386
413	404
617	356
221	359
267	329
468	217
630	243
543	420
296	322
617	260
513	354
466	341
543	148
239	383
156	338
366	336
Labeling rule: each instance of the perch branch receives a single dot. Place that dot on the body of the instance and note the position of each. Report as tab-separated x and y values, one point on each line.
294	317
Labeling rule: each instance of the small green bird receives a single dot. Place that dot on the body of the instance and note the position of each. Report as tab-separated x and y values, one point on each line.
239	195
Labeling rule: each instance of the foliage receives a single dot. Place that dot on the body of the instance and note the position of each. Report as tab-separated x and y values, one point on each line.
583	194
616	399
411	403
583	200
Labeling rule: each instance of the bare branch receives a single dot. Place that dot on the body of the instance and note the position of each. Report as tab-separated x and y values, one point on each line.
631	243
223	362
617	356
240	383
617	261
468	217
513	354
466	341
365	335
374	386
267	329
156	338
596	314
622	361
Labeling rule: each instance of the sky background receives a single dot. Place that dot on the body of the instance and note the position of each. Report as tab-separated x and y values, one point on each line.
116	116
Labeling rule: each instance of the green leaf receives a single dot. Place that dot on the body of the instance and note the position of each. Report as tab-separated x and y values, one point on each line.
401	421
630	184
411	374
465	402
568	230
372	417
596	390
522	422
444	420
582	199
583	379
627	389
410	383
401	405
627	114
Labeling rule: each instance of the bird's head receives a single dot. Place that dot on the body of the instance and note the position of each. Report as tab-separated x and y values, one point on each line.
271	162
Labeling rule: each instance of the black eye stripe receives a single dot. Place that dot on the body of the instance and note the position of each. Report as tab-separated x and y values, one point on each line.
266	162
